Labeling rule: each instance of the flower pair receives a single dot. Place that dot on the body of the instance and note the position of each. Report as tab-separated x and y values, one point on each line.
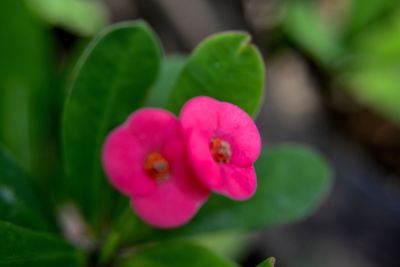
168	166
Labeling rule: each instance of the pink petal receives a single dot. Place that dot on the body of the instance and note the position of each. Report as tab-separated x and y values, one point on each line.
238	183
123	159
167	207
177	200
182	172
164	204
238	128
153	127
202	161
203	118
200	114
213	118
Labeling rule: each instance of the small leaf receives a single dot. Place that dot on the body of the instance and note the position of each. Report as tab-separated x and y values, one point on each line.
270	262
175	254
18	203
112	80
226	67
21	247
84	17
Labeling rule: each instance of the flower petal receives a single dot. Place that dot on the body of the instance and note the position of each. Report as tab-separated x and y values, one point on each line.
167	207
213	118
175	201
182	172
239	183
153	127
200	114
123	159
202	161
238	128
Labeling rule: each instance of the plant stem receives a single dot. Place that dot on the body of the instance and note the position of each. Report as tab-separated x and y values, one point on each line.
109	248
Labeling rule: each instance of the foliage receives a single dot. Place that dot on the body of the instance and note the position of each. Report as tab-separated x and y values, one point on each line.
23	247
83	17
361	50
121	70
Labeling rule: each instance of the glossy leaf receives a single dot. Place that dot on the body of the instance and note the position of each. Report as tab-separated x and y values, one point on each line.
270	262
20	247
112	80
175	254
292	183
18	202
171	67
226	67
84	17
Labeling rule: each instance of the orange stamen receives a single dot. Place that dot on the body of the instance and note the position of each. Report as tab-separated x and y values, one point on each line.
220	150
156	166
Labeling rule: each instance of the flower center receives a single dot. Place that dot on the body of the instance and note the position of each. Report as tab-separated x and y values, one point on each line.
156	166
220	150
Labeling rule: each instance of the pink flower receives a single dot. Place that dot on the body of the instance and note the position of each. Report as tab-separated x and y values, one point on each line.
145	159
223	143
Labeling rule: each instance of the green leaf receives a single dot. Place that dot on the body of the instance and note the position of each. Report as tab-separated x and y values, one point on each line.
292	182
380	44
27	93
18	203
24	54
175	254
84	17
170	69
226	67
22	46
270	262
364	12
20	247
307	28
112	80
377	86
373	74
229	244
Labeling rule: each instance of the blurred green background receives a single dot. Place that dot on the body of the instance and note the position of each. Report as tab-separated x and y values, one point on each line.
333	81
